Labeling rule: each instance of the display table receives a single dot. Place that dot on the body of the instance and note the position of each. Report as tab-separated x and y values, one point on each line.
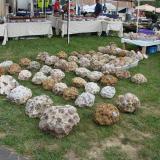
3	33
143	44
20	29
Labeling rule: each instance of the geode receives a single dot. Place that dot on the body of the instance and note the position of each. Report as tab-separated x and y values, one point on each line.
84	62
82	72
78	82
73	58
46	70
6	64
139	78
71	66
92	88
24	75
62	55
48	84
34	65
59	88
24	62
95	76
70	93
61	64
108	92
57	74
14	68
2	71
51	60
123	74
109	80
38	78
42	56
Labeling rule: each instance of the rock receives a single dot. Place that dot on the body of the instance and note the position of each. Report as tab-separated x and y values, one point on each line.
24	75
108	92
2	71
34	65
42	56
123	74
24	62
82	72
6	64
70	93
14	68
139	78
57	74
102	49
7	83
20	94
61	64
128	103
96	65
94	76
36	106
51	60
72	66
92	88
38	78
74	53
59	120
72	59
48	84
46	70
78	82
106	114
108	69
62	55
84	62
109	80
59	88
85	100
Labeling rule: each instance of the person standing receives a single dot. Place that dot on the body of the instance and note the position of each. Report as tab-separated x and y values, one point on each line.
98	8
56	7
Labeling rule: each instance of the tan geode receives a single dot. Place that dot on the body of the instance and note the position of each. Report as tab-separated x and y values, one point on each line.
123	74
48	84
78	82
106	114
24	62
71	66
14	68
109	80
70	93
62	55
2	71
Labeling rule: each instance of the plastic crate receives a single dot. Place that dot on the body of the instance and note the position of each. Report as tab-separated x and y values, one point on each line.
146	31
152	49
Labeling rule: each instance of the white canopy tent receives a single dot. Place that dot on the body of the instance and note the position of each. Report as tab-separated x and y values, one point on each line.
2	6
146	7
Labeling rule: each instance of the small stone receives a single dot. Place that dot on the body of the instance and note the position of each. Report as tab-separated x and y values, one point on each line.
59	88
42	56
34	65
59	120
128	103
57	74
139	78
24	62
46	70
92	88
78	82
106	114
85	100
36	106
62	55
6	64
51	60
20	94
72	66
84	62
82	72
109	80
95	76
70	93
123	74
38	78
14	68
72	59
48	84
108	92
24	75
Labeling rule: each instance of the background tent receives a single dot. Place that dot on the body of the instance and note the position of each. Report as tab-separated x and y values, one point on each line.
146	7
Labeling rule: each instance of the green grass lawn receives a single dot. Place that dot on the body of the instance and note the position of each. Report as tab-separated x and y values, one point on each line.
136	136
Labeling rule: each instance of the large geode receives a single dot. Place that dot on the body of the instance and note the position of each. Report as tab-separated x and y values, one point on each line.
72	59
70	93
34	65
57	74
38	78
24	62
128	102
94	76
46	70
84	62
71	66
78	82
51	60
139	78
59	88
61	64
24	75
14	68
82	72
108	92
62	55
92	88
109	80
36	106
48	84
42	56
59	120
6	64
123	74
106	114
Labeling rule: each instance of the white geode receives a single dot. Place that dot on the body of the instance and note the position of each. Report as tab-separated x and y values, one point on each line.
6	64
94	76
82	72
59	88
38	78
46	70
36	106
20	94
34	65
108	92
84	62
57	74
59	120
7	83
139	78
24	75
92	88
72	59
51	60
42	56
86	99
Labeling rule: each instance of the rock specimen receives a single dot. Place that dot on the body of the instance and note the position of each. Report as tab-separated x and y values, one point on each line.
92	88
36	106
82	72
61	64
51	60
20	94
139	78
108	92
96	65
59	120
24	75
62	55
57	74
34	65
94	76
106	114
109	80
42	56
24	62
72	59
2	71
123	74
59	88
84	62
14	68
72	66
38	78
108	69
48	84
78	82
6	64
7	83
70	93
128	103
85	100
46	70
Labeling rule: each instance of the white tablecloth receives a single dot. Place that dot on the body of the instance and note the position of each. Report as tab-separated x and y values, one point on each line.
3	33
29	29
53	19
